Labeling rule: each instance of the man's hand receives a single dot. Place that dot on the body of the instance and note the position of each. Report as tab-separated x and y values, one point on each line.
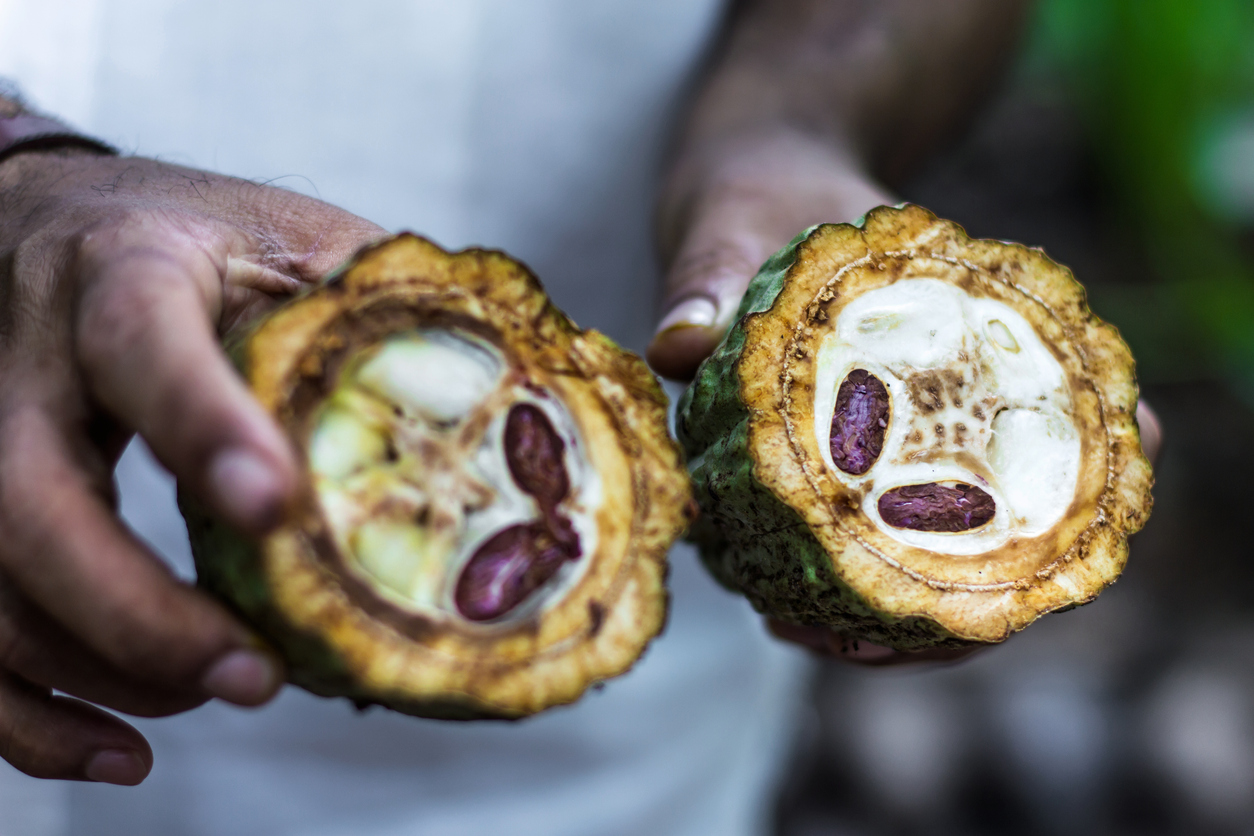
754	194
118	277
808	107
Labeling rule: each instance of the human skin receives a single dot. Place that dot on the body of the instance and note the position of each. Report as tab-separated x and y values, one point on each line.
809	110
120	276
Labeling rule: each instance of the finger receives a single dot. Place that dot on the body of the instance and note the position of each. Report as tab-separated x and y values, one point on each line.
897	658
830	643
42	652
303	241
761	198
827	642
708	280
1151	431
146	342
319	237
69	554
59	737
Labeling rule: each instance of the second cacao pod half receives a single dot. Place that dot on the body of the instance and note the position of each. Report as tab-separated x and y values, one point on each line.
488	492
915	438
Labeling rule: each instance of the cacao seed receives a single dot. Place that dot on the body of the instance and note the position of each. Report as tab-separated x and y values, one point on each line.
859	422
511	565
533	451
935	507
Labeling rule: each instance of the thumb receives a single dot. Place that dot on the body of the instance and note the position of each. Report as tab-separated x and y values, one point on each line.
704	287
730	230
150	354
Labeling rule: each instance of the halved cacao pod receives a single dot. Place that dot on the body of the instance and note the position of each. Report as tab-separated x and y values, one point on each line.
914	437
489	492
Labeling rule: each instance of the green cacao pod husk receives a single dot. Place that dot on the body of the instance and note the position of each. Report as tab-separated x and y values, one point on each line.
488	492
915	438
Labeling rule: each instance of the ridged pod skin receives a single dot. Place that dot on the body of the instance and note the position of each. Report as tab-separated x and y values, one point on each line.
341	637
800	539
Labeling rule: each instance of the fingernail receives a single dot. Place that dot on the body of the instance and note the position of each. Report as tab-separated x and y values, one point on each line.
116	766
247	487
696	311
244	677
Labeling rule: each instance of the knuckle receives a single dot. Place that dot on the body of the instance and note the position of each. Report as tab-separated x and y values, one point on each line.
139	275
35	274
114	234
135	236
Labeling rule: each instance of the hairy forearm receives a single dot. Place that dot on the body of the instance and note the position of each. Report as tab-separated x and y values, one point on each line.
832	92
809	112
882	79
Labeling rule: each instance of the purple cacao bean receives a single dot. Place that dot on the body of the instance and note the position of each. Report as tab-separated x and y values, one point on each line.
533	451
859	422
512	565
935	507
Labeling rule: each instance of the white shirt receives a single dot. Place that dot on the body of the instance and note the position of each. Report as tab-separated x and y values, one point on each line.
534	126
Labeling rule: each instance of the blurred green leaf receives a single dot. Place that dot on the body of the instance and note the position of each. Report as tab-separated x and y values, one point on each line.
1164	87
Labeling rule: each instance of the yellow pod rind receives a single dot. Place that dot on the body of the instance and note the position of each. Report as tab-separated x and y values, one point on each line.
337	638
778	526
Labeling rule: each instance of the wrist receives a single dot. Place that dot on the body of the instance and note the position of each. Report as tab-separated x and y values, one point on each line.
724	209
774	181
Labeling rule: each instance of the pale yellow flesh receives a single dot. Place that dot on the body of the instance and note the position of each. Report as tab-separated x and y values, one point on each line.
408	487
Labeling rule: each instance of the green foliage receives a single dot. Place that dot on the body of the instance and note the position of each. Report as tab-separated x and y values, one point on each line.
1162	85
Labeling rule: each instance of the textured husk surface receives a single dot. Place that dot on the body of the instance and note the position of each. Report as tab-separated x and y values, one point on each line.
292	587
778	527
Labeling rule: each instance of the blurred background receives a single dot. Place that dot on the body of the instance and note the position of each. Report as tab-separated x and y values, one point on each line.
1123	144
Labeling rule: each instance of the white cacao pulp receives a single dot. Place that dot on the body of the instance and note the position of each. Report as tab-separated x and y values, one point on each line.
409	464
975	398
